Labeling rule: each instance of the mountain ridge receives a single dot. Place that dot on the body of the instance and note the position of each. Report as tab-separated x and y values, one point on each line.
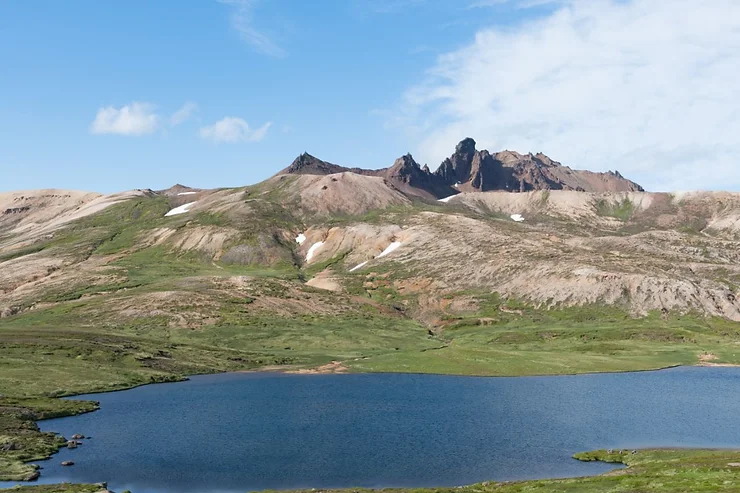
469	169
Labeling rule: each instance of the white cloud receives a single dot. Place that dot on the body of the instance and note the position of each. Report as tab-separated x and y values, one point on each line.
233	129
259	134
242	20
183	114
648	87
136	119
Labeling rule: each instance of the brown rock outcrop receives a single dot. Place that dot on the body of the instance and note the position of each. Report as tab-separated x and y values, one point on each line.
468	169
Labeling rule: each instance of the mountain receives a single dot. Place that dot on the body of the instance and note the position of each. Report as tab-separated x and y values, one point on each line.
552	248
468	169
324	263
306	164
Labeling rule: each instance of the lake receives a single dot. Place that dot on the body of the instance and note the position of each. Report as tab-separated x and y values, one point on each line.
241	432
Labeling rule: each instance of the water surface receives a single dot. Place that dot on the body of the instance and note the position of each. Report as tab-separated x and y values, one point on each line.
242	432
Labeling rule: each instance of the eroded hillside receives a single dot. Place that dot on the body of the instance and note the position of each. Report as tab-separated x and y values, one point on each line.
636	250
305	269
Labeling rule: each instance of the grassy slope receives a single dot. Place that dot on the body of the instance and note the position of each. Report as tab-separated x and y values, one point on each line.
573	340
509	338
58	488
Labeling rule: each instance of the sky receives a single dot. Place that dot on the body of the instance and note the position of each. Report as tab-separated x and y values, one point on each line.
114	95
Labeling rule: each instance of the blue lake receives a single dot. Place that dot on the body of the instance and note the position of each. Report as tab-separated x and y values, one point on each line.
242	432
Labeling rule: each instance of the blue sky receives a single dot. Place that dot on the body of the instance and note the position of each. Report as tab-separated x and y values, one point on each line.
115	95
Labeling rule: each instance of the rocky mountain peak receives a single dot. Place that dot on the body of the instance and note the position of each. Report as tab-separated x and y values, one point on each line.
406	170
304	160
175	190
405	162
545	160
465	147
306	164
468	169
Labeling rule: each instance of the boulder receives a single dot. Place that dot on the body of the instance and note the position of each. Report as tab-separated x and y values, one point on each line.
32	476
68	463
9	311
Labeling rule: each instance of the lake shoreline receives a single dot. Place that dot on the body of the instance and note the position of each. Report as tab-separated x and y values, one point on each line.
294	372
647	466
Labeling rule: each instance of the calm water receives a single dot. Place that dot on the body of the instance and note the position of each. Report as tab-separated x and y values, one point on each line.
230	433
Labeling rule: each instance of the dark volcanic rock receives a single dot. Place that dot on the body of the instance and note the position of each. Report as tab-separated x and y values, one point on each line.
17	210
514	172
409	177
306	164
457	168
468	169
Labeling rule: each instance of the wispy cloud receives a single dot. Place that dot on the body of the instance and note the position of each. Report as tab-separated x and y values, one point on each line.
232	129
184	114
648	87
242	20
259	134
133	119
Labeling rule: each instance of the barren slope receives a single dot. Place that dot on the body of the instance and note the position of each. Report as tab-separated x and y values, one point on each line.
635	250
29	214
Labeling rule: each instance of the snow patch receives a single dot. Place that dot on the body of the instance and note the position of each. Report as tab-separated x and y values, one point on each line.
517	217
446	199
457	185
359	266
392	247
300	239
180	210
312	250
187	193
